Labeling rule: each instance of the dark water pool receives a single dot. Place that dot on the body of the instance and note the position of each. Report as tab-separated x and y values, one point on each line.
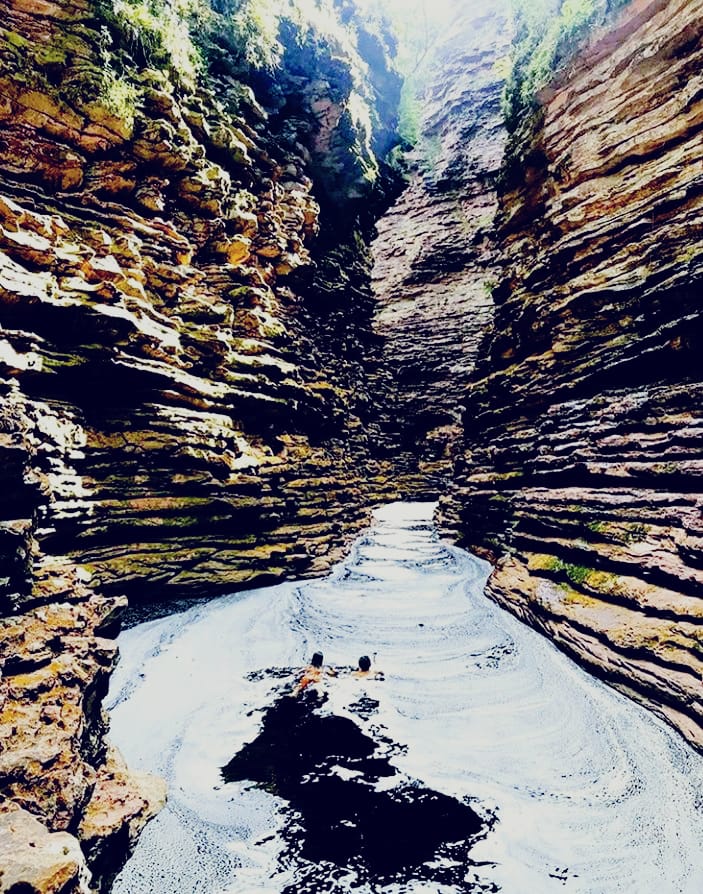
485	761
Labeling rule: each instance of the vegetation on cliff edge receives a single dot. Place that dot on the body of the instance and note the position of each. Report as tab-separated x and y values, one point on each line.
547	33
269	50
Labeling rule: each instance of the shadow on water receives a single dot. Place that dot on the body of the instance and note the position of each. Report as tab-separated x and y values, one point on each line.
349	808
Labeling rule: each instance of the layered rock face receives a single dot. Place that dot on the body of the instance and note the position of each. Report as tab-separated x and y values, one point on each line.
581	466
435	252
183	305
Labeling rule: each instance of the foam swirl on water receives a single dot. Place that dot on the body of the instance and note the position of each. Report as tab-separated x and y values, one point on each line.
592	794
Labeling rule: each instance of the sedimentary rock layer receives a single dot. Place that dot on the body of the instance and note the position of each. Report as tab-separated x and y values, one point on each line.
581	466
183	303
434	256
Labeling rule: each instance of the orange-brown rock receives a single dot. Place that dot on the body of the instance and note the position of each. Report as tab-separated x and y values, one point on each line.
581	471
435	259
121	803
34	859
183	401
57	659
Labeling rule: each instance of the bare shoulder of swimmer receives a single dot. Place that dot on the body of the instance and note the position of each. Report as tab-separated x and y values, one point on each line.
368	675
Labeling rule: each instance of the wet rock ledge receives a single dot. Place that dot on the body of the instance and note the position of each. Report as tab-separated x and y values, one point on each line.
581	465
184	305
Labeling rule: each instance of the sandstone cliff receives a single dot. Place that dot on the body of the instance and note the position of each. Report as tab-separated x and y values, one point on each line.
581	463
183	307
434	256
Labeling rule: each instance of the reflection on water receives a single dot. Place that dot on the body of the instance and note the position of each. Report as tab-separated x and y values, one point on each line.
338	815
578	789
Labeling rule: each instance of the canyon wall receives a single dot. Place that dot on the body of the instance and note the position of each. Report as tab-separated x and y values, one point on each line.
199	392
434	256
184	309
580	470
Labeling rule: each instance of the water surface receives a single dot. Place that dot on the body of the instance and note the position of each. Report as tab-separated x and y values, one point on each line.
558	783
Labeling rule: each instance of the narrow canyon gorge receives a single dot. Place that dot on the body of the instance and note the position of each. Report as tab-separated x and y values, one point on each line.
240	307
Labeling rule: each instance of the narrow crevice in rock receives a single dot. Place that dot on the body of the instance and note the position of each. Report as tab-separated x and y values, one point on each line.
435	254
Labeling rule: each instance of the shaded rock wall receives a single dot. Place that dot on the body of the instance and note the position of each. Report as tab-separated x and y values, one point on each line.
434	256
581	465
183	307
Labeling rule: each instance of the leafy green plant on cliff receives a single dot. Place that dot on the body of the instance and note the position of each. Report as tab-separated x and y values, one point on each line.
409	114
577	574
547	33
251	29
417	25
120	96
161	32
179	34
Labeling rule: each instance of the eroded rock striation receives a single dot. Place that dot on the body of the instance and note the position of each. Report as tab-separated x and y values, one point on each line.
183	307
581	464
435	254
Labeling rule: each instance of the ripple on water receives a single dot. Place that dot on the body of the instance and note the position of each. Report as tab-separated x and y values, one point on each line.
344	797
592	794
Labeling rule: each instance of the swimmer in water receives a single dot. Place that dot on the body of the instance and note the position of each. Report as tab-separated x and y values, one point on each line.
364	671
313	673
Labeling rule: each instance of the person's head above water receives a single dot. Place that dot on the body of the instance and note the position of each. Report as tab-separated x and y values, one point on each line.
317	659
364	663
